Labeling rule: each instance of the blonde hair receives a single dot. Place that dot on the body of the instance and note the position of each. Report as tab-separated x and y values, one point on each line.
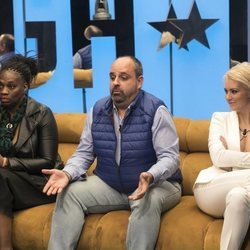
239	73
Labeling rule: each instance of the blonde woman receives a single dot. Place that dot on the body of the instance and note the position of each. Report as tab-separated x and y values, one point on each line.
223	190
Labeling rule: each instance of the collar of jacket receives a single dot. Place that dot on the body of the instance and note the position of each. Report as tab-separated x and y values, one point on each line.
31	119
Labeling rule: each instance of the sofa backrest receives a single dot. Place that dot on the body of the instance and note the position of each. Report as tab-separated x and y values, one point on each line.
70	126
194	156
193	139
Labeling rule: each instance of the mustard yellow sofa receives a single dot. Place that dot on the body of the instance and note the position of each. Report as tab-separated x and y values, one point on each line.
184	227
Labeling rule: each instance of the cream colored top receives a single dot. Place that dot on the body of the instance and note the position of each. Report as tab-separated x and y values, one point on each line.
224	124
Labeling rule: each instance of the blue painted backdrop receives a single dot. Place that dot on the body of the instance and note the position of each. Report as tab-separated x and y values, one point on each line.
197	73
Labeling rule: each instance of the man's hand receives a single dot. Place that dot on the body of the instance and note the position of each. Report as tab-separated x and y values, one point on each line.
145	180
57	182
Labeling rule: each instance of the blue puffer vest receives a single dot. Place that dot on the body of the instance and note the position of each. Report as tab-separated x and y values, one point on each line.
86	57
137	152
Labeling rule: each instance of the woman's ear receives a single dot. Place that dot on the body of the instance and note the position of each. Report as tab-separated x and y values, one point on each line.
26	87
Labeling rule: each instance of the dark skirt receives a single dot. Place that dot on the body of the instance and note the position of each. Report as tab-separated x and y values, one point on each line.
20	190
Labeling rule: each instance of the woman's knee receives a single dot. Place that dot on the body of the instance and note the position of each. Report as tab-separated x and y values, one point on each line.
4	173
238	199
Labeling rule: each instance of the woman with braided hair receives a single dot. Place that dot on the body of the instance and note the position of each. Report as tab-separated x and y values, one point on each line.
28	143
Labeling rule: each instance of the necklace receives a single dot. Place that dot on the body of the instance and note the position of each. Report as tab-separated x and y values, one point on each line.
244	133
9	125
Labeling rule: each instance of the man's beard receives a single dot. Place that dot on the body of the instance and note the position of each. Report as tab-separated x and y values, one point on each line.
118	97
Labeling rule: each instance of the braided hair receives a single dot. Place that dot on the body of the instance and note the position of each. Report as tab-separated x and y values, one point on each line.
27	67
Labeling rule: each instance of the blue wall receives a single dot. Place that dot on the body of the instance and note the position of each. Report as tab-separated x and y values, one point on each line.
197	73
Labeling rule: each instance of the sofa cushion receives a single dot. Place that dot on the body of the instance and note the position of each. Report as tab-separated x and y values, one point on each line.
66	150
70	126
184	227
197	136
29	227
191	165
181	125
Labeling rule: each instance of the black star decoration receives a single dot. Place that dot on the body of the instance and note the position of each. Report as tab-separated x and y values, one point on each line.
185	30
168	26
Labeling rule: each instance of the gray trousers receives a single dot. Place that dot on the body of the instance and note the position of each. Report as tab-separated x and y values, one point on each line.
94	196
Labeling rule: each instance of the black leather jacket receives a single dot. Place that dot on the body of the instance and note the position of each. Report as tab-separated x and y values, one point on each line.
37	143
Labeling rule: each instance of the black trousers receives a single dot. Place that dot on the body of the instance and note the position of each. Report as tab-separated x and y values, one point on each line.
20	190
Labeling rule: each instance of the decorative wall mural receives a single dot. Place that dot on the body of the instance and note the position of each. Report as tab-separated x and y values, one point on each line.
129	27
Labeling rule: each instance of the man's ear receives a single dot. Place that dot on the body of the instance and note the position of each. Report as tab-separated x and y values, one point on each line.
2	48
140	81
